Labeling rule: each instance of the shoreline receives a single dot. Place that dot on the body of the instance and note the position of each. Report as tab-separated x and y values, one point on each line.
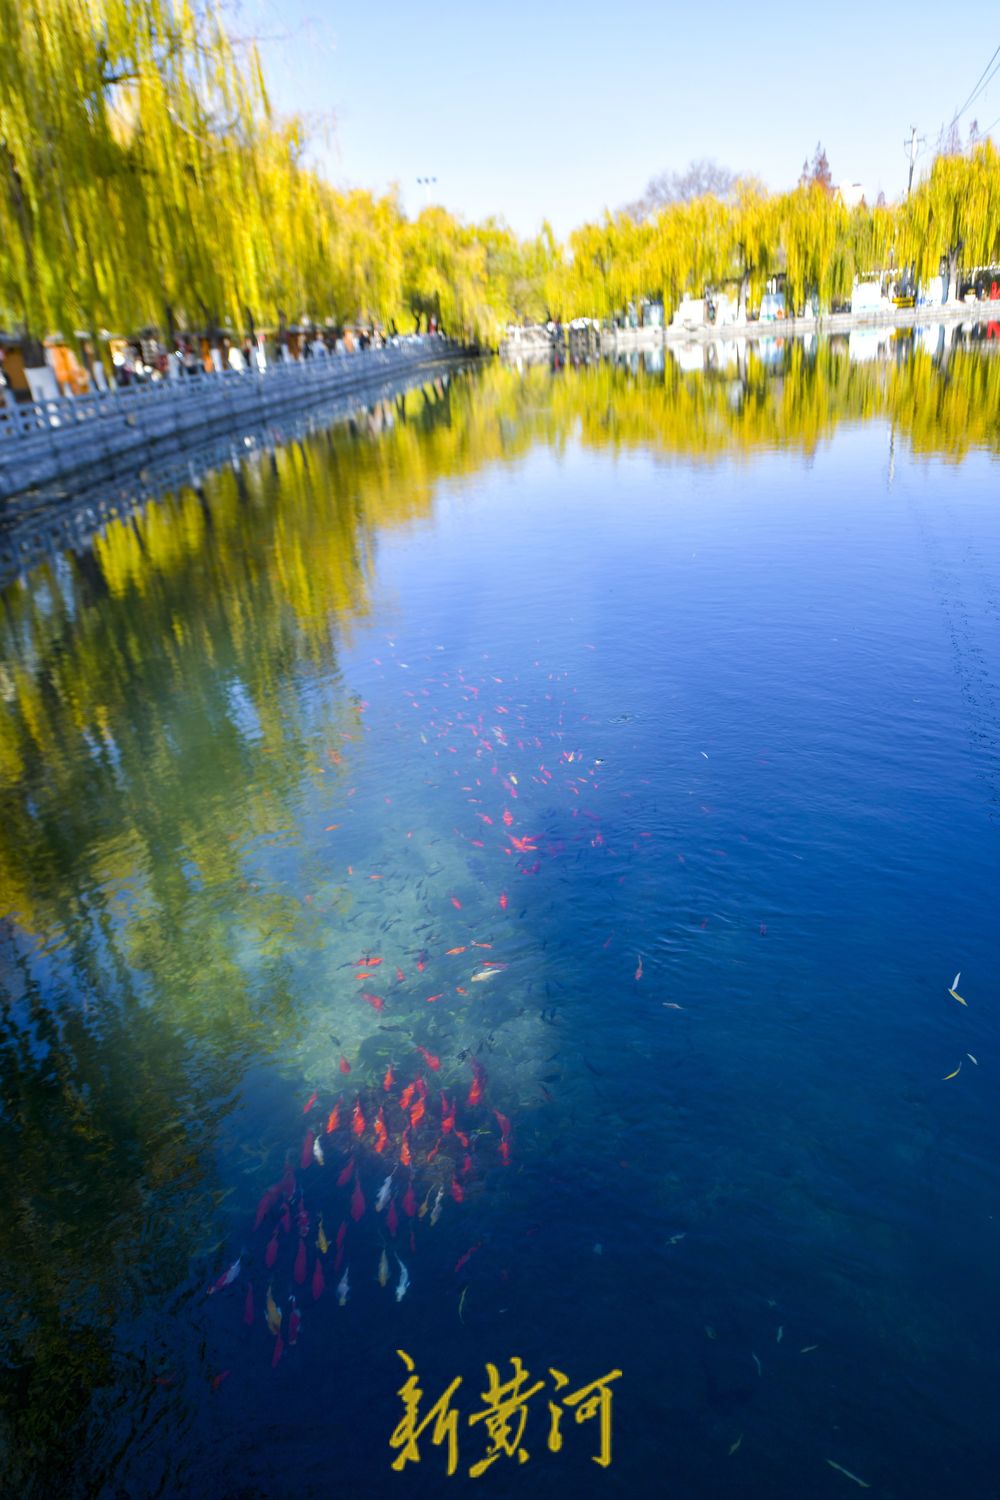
629	340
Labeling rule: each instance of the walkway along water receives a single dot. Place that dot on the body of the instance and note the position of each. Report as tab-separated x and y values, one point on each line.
85	438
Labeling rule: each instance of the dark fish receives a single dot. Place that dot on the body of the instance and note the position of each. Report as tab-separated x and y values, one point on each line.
596	1071
551	1077
335	1039
392	1028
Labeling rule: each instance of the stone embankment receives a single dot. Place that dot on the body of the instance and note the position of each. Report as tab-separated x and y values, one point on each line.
78	440
539	342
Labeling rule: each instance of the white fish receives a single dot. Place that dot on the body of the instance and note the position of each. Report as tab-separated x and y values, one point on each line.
972	1059
227	1277
318	1150
841	1470
675	1239
808	1348
760	1367
781	1333
384	1192
344	1288
954	982
483	974
404	1280
436	1210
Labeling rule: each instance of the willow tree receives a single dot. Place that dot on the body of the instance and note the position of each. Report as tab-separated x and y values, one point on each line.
126	134
953	218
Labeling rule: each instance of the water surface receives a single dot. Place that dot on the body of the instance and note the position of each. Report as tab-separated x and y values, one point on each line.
670	700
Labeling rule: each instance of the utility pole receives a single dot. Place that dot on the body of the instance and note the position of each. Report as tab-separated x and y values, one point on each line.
911	147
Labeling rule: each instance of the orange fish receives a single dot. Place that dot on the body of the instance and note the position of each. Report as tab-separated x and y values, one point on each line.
508	816
404	1151
434	1063
400	976
345	1066
381	1134
333	1119
432	998
476	1091
375	1001
449	952
358	1119
431	1153
503	900
417	1113
309	1103
525	845
406	1097
389	1079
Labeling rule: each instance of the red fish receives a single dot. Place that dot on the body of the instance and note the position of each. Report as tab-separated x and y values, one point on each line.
302	1218
375	1001
307	1150
476	1091
299	1269
265	1205
318	1282
504	1124
508	816
358	1119
434	1063
462	1138
466	1165
409	1201
286	1187
341	1235
271	1253
421	1088
346	1173
309	1103
345	1066
368	963
285	1222
463	1260
279	1349
504	1152
638	971
294	1322
248	1306
333	1119
392	1218
217	1382
456	1190
456	903
357	1202
389	1079
503	900
381	1134
400	976
417	1113
432	998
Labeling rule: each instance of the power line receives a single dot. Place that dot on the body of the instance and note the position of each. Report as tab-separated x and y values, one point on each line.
978	86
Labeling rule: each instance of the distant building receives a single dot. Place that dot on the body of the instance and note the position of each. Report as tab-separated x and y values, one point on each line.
851	194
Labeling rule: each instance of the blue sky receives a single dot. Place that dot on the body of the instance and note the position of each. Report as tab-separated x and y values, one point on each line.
562	109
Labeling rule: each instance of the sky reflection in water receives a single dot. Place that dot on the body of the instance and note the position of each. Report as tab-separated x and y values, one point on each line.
720	652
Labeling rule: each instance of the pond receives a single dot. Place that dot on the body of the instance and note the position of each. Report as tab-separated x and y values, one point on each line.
487	881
